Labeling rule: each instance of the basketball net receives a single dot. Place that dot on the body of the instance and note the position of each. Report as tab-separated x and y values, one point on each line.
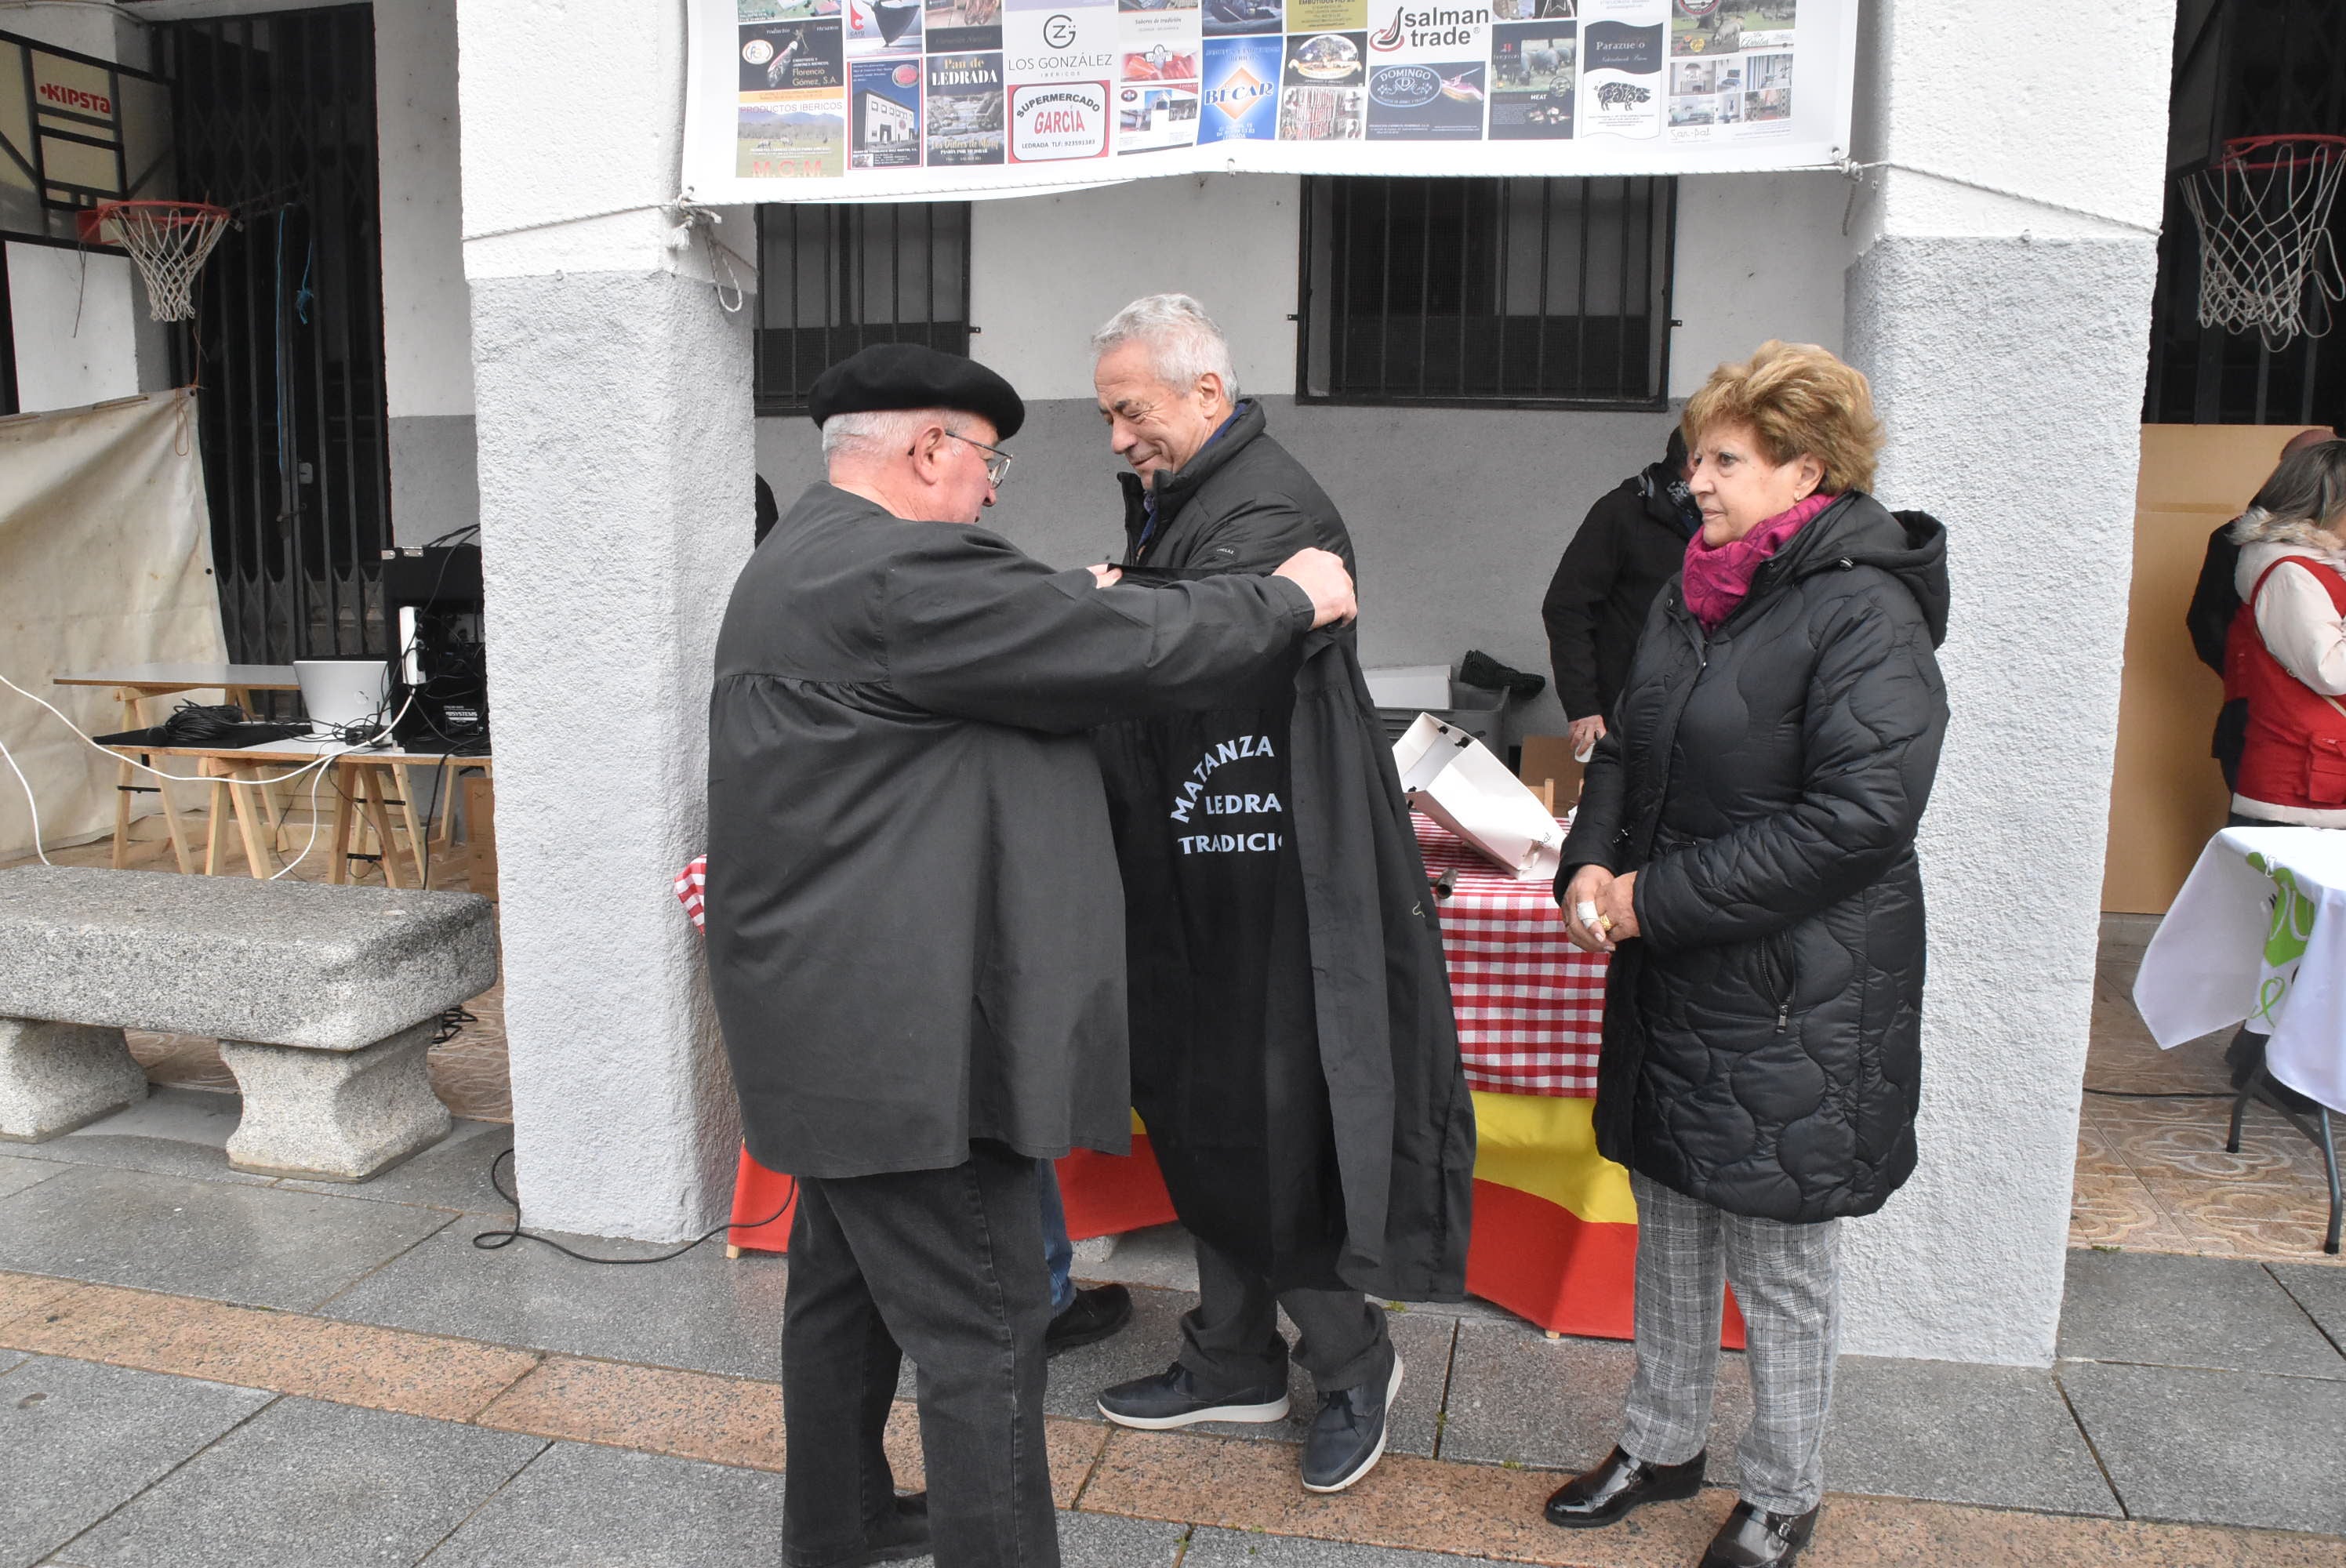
2267	264
166	240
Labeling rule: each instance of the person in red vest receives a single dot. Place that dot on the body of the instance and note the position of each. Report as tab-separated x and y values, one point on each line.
2216	602
2285	658
2286	655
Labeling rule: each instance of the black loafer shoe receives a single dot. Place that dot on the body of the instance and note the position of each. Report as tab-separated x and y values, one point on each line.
1754	1538
1091	1316
1348	1436
1617	1486
892	1538
1171	1399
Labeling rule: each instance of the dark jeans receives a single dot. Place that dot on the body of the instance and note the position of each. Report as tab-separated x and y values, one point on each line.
1058	1252
1231	1342
945	1265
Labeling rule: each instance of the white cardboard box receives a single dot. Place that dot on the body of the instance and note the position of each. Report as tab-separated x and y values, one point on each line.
1453	778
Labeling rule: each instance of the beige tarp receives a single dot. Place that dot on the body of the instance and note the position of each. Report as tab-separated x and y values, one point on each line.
105	561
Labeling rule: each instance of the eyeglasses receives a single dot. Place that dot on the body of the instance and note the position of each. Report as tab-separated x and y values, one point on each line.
997	461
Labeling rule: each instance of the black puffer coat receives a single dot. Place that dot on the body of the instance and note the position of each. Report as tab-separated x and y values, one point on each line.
1762	1035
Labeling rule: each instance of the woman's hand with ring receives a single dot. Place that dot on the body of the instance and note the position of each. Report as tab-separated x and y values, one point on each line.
1616	909
1583	909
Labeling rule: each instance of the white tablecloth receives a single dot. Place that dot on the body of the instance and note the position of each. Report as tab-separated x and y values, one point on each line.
2258	932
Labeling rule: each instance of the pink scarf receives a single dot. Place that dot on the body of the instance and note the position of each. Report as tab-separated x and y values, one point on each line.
1717	580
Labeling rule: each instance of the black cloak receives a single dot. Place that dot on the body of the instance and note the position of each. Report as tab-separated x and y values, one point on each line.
1294	1055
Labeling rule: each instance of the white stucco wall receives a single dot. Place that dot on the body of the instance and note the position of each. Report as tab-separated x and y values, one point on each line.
1758	256
614	418
2007	342
1044	270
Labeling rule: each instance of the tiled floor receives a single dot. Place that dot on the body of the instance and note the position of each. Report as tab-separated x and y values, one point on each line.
198	1366
2152	1174
200	1370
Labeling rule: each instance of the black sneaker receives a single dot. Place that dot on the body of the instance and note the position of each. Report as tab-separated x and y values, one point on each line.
898	1537
1171	1399
1091	1316
1348	1437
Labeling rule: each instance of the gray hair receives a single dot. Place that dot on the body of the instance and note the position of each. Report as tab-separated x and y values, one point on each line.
880	432
1183	341
2309	487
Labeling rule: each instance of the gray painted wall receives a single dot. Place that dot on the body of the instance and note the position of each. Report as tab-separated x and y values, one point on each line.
1458	514
435	476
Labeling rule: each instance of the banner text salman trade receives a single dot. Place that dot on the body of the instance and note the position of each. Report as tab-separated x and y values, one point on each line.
829	100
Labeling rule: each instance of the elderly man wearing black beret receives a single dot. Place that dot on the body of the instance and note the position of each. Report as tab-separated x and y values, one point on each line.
916	934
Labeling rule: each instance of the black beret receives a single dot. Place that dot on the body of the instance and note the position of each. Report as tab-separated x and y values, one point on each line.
888	376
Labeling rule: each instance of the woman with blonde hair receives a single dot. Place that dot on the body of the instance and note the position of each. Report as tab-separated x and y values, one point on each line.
1745	850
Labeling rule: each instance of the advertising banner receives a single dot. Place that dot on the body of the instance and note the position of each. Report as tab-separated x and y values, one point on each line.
896	100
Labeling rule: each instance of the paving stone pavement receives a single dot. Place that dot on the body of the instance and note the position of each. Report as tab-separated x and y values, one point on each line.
200	1368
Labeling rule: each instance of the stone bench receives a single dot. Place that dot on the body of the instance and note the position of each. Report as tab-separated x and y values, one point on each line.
324	1001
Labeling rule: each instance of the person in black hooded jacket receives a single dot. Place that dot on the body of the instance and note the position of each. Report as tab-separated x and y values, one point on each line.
1745	849
1629	545
1294	1052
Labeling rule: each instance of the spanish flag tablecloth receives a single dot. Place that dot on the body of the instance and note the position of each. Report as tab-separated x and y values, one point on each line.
1555	1231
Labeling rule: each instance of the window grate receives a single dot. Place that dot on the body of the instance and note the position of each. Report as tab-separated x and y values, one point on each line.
833	278
1505	292
274	117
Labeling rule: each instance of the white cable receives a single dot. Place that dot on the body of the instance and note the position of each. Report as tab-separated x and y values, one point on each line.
312	843
31	804
1855	173
323	757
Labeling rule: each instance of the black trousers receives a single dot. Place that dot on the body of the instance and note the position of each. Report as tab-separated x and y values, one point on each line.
1231	1342
945	1265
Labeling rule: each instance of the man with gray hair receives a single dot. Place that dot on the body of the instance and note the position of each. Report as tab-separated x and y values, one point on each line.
1294	1055
915	939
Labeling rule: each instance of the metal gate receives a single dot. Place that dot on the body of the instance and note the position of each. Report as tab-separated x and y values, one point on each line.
275	119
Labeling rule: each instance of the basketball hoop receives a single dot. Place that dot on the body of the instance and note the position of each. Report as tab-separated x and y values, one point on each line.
168	240
2267	264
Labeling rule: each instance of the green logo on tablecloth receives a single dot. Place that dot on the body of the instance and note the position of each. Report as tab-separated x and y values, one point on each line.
2285	939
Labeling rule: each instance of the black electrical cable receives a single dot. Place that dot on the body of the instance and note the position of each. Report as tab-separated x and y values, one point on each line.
490	1240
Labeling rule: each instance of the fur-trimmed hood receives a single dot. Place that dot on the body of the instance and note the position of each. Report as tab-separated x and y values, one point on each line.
2264	539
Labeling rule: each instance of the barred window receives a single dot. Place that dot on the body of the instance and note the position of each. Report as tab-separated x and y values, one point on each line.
1518	292
835	278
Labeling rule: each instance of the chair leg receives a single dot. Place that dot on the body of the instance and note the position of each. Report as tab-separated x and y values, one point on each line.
2328	1142
2240	1109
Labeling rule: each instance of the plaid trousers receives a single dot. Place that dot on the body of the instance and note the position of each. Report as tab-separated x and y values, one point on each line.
1786	1279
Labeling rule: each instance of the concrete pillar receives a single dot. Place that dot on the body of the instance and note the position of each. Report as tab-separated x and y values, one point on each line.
2006	333
613	422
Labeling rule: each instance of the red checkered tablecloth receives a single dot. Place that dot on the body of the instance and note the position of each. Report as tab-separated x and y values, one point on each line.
1530	1006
